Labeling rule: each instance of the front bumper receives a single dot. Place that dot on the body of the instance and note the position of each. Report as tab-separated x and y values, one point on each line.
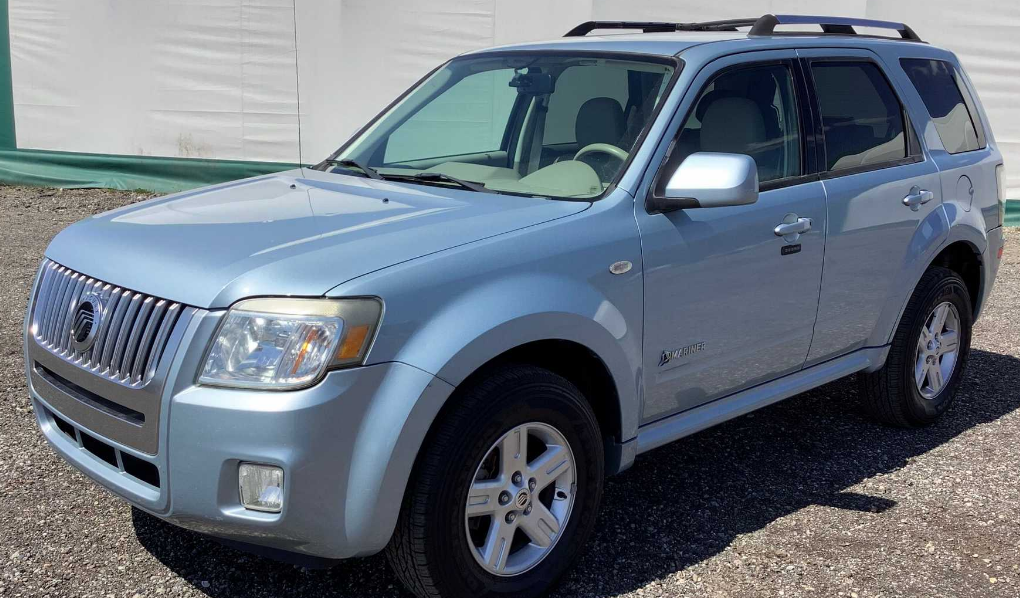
347	446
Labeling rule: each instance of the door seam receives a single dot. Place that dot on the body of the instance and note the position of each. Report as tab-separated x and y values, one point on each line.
821	276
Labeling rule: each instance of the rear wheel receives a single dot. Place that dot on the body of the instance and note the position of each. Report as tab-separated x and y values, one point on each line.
506	491
928	354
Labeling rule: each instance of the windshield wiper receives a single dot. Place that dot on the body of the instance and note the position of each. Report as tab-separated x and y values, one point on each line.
429	177
348	163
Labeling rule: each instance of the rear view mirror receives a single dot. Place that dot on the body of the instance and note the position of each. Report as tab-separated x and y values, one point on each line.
533	84
708	180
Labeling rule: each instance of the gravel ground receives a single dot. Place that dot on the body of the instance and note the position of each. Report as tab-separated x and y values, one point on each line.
805	498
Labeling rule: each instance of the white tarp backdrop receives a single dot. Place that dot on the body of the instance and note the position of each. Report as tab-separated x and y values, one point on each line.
221	78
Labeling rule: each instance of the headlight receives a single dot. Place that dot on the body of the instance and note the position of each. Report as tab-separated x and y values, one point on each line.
289	343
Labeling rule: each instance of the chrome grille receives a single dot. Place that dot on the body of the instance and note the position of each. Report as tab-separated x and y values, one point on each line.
133	332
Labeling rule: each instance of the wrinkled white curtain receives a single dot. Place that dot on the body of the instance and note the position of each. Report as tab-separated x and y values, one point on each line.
219	79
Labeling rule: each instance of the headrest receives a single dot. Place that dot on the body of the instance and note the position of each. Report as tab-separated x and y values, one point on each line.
709	98
600	120
732	125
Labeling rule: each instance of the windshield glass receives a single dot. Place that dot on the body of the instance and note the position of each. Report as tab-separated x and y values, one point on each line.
546	125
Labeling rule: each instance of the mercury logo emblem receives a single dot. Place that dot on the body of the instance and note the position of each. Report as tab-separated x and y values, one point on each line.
87	318
522	499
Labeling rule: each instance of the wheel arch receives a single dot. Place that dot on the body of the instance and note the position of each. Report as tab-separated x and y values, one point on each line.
579	365
570	358
961	250
548	321
549	339
965	251
949	235
964	258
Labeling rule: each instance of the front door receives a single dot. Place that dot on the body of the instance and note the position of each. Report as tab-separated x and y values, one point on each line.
730	302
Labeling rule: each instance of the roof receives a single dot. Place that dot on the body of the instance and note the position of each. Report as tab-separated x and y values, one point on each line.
670	39
658	44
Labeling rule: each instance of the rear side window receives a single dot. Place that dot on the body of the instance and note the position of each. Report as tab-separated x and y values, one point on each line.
948	102
861	116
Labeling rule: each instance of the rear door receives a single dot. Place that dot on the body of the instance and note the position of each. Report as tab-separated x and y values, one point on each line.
882	194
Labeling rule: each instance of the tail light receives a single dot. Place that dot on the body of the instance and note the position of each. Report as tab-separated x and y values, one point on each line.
1000	181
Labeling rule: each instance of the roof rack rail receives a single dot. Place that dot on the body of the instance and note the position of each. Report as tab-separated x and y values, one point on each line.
660	26
766	25
762	26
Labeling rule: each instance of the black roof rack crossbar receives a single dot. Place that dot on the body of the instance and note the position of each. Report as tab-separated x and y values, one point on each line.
766	25
659	26
763	26
645	26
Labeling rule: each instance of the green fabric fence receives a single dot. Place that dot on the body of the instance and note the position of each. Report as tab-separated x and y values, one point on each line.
1013	212
75	170
164	175
8	139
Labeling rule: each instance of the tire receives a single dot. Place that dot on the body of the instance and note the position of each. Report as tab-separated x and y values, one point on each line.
892	395
431	551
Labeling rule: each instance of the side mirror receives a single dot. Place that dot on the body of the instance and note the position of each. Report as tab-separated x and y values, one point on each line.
708	180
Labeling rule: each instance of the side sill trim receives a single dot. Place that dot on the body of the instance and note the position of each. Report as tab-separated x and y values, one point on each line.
694	420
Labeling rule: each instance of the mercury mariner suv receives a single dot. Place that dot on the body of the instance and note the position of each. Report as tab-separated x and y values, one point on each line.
538	263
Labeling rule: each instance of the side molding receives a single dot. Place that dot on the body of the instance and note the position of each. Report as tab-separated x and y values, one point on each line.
694	420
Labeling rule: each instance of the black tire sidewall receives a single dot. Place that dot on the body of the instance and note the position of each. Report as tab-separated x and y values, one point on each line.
918	409
544	398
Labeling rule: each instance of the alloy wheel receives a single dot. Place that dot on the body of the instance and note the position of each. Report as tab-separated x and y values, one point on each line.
938	349
520	499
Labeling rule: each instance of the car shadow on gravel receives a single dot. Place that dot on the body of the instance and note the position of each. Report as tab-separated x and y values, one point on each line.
677	506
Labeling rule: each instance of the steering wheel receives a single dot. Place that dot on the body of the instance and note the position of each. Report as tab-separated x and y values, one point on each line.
602	148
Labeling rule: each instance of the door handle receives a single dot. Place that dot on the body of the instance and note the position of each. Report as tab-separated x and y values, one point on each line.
917	198
801	225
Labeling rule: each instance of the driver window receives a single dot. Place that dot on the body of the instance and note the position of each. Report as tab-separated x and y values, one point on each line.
750	111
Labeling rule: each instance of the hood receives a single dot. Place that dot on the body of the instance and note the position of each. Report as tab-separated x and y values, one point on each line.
297	233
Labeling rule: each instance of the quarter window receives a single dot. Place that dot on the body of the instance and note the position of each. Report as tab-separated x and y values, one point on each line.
750	111
861	117
938	83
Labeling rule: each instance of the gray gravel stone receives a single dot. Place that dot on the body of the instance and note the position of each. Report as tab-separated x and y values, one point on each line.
805	498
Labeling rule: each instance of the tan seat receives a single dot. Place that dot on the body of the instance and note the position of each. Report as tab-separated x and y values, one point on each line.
600	120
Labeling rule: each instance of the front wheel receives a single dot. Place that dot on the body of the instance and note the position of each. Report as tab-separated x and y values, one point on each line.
928	354
505	493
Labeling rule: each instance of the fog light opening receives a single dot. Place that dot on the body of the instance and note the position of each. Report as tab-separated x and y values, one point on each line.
261	487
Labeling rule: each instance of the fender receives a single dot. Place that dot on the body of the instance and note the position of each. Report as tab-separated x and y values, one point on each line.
562	310
969	227
449	313
943	227
454	341
489	320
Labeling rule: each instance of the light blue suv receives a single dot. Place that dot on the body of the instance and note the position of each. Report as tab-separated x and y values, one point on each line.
536	264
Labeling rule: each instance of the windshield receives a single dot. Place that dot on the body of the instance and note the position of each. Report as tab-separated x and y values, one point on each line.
544	125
